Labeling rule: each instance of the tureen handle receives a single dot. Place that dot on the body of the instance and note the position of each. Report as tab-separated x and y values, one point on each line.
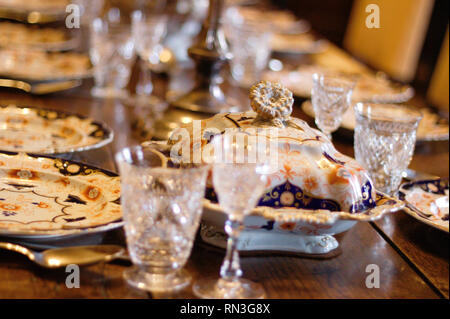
272	102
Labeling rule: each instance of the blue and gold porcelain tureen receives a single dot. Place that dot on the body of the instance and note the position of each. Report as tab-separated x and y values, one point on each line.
315	192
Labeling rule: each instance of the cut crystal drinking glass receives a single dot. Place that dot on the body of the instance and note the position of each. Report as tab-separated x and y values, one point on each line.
331	96
250	46
112	54
148	30
161	210
239	180
385	136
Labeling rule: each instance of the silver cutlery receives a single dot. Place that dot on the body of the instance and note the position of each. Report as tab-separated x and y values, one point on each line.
61	257
40	88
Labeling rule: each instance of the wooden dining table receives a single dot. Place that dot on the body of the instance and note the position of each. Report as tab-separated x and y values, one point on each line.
412	257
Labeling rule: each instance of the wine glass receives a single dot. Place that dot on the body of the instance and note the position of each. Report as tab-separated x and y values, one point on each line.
250	46
239	178
331	96
148	31
112	54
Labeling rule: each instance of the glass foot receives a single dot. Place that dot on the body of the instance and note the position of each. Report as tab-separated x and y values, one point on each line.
141	279
222	289
105	92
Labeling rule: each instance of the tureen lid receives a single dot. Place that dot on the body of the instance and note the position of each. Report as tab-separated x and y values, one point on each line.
310	174
270	116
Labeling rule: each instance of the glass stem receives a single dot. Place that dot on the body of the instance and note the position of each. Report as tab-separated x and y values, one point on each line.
231	268
144	86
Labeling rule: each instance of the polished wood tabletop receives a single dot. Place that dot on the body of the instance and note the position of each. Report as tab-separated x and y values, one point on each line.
412	257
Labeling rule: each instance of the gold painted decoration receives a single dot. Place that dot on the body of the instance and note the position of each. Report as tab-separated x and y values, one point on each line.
43	195
33	130
43	66
18	35
36	5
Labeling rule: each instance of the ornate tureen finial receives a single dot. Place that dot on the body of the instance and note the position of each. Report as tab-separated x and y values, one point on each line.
272	101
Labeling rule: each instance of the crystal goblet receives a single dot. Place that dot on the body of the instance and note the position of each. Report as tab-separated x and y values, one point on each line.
331	96
148	31
112	54
250	46
385	136
239	178
161	210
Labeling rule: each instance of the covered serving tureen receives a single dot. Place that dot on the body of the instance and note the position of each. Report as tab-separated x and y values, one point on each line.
315	191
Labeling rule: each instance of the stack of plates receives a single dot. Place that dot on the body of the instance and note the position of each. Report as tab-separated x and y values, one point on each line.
33	56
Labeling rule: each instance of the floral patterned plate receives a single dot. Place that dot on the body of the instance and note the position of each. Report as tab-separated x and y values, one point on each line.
18	35
369	88
33	11
43	197
36	5
40	66
33	130
427	201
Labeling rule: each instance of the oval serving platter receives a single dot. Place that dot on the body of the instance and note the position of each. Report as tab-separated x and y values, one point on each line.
34	130
48	197
427	201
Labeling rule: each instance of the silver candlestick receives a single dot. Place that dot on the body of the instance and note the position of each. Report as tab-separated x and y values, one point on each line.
209	53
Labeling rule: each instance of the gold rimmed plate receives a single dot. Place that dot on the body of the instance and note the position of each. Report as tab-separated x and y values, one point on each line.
369	88
45	197
427	201
35	130
24	36
293	44
33	11
40	66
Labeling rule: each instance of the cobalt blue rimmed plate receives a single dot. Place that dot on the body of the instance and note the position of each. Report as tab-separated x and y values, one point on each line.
427	201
